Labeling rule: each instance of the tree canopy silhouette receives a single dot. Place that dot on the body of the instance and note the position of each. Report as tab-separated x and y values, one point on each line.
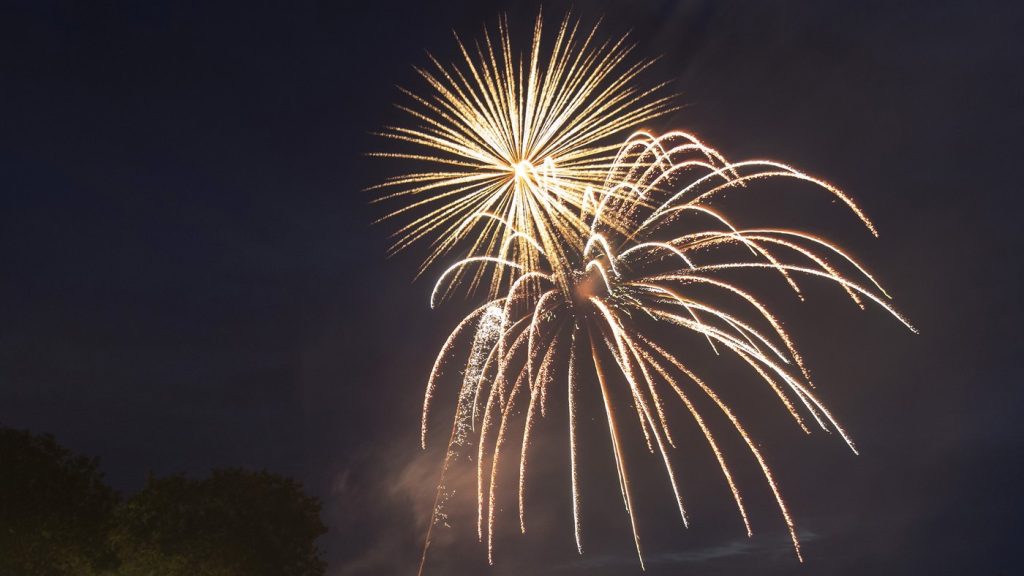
58	518
234	522
55	510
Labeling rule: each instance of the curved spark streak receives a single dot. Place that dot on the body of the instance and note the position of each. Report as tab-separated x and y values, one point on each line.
439	362
617	451
573	469
837	279
622	342
535	394
464	262
601	270
598	240
784	172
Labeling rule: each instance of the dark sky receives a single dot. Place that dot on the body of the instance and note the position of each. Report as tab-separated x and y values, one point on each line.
190	277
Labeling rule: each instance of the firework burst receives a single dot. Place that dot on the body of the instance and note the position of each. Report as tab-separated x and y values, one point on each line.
510	146
658	251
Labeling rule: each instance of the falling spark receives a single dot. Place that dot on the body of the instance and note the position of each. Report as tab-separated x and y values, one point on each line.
659	255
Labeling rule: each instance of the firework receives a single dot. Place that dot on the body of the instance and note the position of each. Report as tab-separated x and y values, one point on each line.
509	146
659	250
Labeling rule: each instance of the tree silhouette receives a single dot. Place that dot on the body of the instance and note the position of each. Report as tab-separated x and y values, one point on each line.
233	522
55	510
58	518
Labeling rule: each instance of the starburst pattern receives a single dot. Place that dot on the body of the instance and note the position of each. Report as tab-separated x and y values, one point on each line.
508	146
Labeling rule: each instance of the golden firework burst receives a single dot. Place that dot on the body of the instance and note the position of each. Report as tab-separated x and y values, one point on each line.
658	251
507	147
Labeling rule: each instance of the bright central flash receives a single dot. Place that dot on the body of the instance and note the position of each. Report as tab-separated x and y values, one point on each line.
523	170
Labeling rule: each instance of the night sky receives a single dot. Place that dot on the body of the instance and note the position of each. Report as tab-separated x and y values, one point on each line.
190	276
